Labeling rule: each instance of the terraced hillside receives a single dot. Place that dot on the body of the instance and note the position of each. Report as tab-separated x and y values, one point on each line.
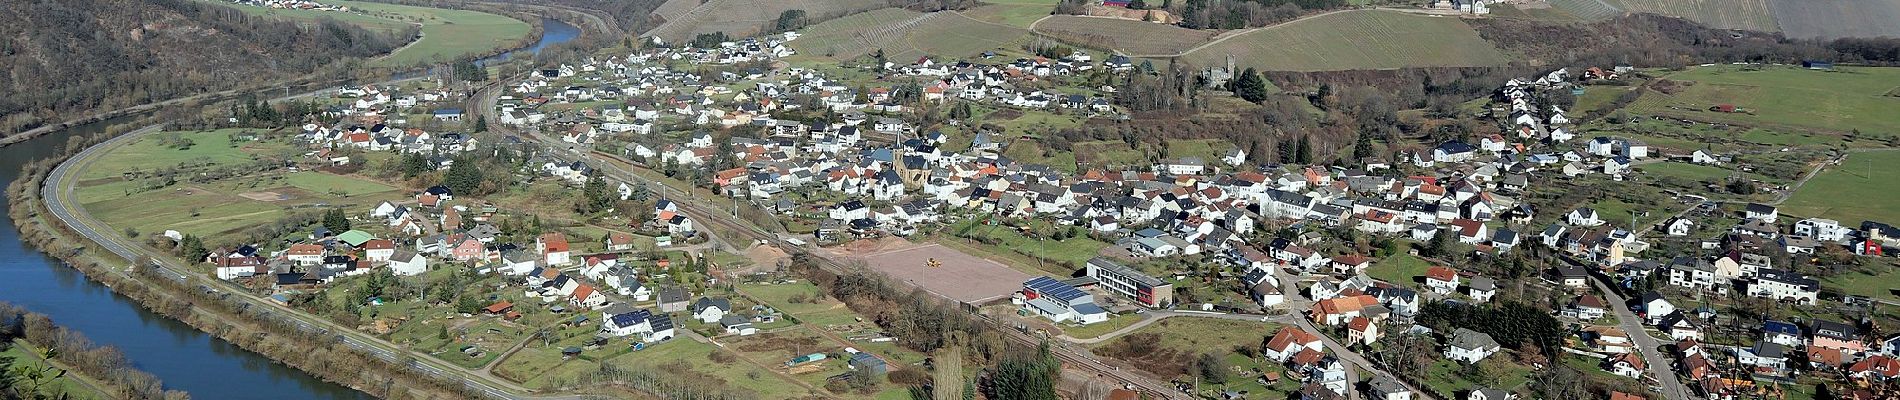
1130	37
740	18
673	9
944	33
848	35
1752	15
1362	39
1017	13
1831	19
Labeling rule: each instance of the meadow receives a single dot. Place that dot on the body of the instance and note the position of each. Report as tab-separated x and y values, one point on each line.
1852	192
1838	102
219	210
446	34
1365	39
741	18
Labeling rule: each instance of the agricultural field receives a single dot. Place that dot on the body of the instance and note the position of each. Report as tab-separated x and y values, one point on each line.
1017	13
119	189
1588	9
1364	39
944	34
741	18
1837	18
1785	97
1120	35
673	9
1854	191
1754	15
446	34
842	35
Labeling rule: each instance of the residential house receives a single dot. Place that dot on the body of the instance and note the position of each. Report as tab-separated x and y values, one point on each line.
1469	346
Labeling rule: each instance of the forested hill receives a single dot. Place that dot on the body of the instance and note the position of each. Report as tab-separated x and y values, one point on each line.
60	59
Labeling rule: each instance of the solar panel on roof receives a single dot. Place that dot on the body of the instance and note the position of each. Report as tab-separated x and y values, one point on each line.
1052	288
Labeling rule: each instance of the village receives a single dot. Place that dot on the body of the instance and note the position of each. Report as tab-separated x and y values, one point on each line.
1348	269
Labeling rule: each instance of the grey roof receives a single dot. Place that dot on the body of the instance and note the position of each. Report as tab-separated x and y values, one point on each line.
1470	339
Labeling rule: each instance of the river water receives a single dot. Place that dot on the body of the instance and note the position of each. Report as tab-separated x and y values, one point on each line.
183	357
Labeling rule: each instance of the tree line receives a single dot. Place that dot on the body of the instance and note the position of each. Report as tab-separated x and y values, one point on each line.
69	347
137	52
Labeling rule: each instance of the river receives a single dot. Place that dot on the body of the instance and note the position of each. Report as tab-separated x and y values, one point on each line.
553	32
183	357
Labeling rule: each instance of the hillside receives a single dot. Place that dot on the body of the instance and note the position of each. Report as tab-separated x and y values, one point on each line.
1801	19
1347	40
1136	38
141	51
907	35
740	18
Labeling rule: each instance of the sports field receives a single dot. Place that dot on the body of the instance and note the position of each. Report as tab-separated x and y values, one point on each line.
1857	190
446	34
1840	101
1129	37
1365	39
961	277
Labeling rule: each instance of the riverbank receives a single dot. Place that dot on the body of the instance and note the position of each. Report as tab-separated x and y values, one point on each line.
56	362
206	309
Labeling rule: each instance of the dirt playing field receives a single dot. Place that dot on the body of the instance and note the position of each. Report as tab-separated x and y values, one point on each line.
264	196
961	277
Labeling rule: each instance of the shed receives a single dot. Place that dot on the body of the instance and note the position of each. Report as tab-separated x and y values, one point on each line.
869	363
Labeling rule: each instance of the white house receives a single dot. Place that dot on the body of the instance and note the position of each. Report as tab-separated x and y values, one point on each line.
710	310
650	327
408	263
1469	346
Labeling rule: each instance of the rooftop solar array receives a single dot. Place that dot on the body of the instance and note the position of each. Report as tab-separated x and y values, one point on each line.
1052	288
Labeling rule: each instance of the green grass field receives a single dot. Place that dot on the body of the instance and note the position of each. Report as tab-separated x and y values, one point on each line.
1851	192
446	34
1197	335
150	152
1095	330
318	182
1400	269
1369	39
1693	172
1444	376
1075	251
1851	98
825	312
217	210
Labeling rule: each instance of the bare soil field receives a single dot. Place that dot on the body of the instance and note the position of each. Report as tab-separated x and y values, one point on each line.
962	277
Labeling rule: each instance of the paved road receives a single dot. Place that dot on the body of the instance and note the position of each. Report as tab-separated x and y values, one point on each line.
57	193
1647	345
